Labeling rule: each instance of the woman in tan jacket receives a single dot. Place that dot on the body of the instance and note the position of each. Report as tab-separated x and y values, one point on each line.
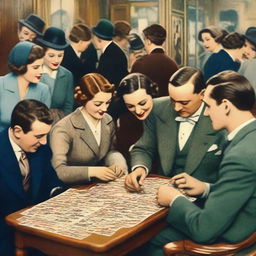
83	143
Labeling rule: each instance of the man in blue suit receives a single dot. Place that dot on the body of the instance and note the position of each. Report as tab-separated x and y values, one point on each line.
26	174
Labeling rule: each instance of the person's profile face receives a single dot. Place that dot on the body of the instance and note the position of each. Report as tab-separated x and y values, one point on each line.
208	42
214	111
53	58
98	105
139	103
183	99
26	34
249	51
32	140
95	41
83	45
34	71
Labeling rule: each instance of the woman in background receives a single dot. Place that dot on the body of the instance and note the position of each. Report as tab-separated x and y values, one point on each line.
137	92
58	78
228	58
211	38
83	143
25	63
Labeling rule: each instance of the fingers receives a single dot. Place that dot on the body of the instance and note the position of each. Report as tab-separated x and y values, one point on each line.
131	182
119	171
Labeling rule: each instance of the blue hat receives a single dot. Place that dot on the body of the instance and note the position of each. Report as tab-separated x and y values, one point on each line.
135	42
53	38
34	23
104	30
250	35
18	55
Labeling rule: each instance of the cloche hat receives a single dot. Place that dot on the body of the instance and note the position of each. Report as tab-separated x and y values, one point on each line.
135	42
250	35
104	29
18	55
53	38
33	22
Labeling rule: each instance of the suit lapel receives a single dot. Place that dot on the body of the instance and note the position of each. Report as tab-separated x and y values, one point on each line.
58	83
168	137
11	84
86	134
35	174
251	127
105	137
202	139
10	165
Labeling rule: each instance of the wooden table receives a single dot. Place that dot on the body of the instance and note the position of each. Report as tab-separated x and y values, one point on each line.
122	242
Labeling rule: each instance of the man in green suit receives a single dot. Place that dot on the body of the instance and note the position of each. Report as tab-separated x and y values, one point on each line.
229	211
178	132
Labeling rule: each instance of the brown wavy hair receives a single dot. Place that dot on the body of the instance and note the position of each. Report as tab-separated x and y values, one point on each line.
91	84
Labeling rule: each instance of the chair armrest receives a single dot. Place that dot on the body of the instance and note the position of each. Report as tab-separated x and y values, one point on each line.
189	247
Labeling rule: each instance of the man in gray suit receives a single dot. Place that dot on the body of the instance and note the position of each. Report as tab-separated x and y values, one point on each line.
178	133
229	211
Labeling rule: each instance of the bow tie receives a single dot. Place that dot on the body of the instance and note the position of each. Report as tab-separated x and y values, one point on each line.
190	119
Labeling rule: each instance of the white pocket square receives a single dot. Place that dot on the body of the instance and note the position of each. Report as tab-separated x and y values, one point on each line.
218	153
212	147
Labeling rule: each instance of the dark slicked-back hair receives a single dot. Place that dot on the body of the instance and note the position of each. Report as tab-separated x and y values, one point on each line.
136	81
233	40
234	87
80	32
26	112
155	33
183	75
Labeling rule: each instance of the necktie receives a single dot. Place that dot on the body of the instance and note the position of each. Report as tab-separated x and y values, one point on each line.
190	119
24	168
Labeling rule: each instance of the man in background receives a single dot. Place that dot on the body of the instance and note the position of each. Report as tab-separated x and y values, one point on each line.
30	28
156	65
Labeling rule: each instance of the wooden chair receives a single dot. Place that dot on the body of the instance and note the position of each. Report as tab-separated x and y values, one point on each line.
190	248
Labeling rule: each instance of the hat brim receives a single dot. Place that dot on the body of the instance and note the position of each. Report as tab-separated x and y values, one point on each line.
104	37
44	43
22	22
253	41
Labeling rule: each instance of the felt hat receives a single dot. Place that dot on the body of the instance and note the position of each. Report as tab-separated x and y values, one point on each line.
34	23
135	42
18	55
104	30
250	35
53	38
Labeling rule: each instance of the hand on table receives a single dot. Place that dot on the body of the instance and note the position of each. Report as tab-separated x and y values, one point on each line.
134	180
188	184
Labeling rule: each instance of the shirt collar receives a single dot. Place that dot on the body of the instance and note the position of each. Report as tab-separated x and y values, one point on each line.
105	47
197	114
234	133
157	47
48	71
78	54
229	54
16	148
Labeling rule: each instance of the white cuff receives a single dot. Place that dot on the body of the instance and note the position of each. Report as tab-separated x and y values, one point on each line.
142	166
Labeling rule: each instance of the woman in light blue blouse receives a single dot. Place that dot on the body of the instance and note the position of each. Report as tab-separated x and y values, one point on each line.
25	63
